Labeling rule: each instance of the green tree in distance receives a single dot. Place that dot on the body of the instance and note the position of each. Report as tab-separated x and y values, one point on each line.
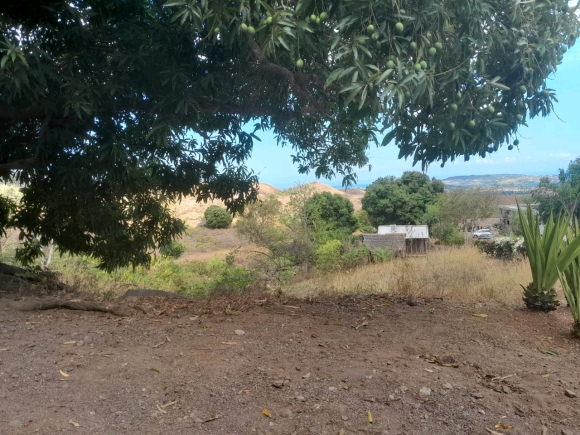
403	201
111	110
562	197
335	211
466	208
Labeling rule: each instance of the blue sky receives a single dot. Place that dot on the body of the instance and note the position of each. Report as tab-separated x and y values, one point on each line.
546	145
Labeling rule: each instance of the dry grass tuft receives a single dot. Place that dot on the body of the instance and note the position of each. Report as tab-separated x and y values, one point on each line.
460	274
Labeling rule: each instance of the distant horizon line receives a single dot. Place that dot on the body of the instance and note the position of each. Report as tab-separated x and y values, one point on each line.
363	185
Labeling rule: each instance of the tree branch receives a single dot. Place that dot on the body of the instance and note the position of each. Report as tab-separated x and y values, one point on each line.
297	85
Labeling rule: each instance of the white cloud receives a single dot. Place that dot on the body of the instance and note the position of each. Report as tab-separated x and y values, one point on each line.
484	161
560	156
510	159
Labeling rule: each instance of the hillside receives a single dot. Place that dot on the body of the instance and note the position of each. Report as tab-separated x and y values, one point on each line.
507	183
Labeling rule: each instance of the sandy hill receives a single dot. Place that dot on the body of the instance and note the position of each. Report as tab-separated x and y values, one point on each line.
267	189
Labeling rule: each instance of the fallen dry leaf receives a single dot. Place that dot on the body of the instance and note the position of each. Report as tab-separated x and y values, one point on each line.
74	423
229	342
503	426
306	376
365	323
545	376
169	404
266	413
5	349
70	342
480	315
75	300
65	374
163	411
369	416
153	369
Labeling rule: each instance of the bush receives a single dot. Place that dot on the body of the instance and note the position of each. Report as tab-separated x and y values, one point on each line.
355	256
505	248
217	217
453	238
172	250
234	280
328	257
381	255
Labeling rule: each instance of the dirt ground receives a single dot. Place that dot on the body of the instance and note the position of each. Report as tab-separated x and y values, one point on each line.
266	365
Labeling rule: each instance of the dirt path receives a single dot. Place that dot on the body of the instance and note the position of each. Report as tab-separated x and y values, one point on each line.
316	368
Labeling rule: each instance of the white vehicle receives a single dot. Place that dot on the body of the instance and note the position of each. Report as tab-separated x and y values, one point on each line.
484	233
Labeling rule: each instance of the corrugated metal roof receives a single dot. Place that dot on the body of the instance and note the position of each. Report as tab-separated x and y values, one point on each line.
410	231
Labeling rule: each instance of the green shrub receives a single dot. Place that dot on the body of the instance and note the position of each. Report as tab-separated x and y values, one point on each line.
234	280
382	255
217	217
364	223
328	257
451	236
505	248
172	250
355	256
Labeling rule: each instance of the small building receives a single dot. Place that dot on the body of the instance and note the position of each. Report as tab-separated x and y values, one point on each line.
400	239
508	215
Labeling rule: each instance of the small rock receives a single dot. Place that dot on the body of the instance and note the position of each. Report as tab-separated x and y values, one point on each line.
570	393
425	391
402	388
520	410
15	423
80	343
391	397
506	389
300	398
477	395
239	332
286	413
344	418
278	383
567	432
481	411
443	392
331	388
448	386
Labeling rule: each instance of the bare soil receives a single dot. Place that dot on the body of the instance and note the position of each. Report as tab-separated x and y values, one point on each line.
268	365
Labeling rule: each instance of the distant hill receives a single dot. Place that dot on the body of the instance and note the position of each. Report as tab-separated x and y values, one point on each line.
507	183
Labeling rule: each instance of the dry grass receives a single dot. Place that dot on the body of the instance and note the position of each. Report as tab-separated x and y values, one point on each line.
462	274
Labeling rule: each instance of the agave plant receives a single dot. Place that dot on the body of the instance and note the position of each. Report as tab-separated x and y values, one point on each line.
570	280
548	255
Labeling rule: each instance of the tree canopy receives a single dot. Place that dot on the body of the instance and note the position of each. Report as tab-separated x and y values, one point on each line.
562	197
390	200
111	109
334	211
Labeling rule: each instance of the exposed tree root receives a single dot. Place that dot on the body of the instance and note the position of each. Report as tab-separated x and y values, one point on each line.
32	305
